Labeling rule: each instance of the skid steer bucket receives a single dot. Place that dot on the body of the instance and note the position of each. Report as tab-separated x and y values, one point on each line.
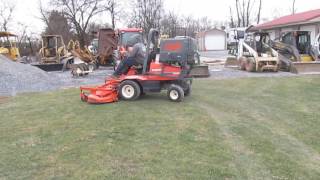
200	71
306	67
231	62
49	67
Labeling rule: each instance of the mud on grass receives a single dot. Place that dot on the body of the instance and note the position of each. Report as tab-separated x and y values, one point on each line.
4	99
258	128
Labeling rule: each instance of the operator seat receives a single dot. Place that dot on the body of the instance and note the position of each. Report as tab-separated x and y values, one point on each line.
259	47
151	57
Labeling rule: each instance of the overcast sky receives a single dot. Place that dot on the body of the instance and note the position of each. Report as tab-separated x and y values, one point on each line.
217	10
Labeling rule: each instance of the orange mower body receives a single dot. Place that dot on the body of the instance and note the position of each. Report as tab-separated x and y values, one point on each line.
160	77
170	72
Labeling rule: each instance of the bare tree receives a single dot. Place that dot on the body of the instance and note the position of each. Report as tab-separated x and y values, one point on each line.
238	13
293	6
259	12
22	40
58	24
44	15
244	11
232	24
79	13
170	23
205	24
6	10
114	11
248	13
22	33
146	14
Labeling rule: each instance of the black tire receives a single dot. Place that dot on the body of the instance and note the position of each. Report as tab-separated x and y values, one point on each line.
95	65
92	66
82	68
175	93
187	91
243	64
250	66
74	71
86	67
129	90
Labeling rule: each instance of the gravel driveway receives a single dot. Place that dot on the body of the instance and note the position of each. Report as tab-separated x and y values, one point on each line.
17	78
216	60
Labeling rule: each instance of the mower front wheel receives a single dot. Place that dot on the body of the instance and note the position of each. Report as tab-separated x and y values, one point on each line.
175	93
129	90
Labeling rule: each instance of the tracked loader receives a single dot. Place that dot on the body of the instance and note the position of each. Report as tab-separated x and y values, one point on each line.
53	54
296	52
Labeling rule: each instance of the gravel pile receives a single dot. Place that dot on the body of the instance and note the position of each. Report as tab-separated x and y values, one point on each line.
17	77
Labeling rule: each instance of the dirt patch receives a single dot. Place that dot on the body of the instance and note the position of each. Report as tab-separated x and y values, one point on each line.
4	99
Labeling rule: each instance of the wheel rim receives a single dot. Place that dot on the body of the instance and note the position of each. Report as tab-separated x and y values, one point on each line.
127	91
174	95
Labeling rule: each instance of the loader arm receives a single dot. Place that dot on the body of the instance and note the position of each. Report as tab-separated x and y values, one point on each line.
250	49
272	50
287	49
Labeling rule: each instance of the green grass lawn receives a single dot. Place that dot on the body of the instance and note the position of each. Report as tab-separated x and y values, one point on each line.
259	128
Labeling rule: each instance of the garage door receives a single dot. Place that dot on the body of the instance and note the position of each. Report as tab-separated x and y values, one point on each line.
215	42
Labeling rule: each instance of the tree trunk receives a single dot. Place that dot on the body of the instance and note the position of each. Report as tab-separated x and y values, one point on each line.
293	7
232	25
248	13
259	12
113	21
238	13
243	14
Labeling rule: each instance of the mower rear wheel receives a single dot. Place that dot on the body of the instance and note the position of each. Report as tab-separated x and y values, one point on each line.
187	91
129	90
175	93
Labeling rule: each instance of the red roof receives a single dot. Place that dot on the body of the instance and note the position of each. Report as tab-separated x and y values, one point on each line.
291	19
130	30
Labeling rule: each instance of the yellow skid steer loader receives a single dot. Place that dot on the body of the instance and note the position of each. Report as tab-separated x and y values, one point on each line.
254	53
297	54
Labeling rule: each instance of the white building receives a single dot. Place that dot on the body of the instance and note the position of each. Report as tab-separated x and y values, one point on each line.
212	40
305	21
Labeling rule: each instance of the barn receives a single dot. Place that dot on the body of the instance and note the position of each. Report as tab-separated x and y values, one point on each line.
212	40
304	21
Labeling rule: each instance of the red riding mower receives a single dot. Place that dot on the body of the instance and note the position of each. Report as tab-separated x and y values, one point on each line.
170	72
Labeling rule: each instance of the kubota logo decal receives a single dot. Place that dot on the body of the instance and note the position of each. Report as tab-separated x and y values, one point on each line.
174	46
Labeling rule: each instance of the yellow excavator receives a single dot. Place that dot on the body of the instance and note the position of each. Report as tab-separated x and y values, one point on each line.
8	46
296	52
